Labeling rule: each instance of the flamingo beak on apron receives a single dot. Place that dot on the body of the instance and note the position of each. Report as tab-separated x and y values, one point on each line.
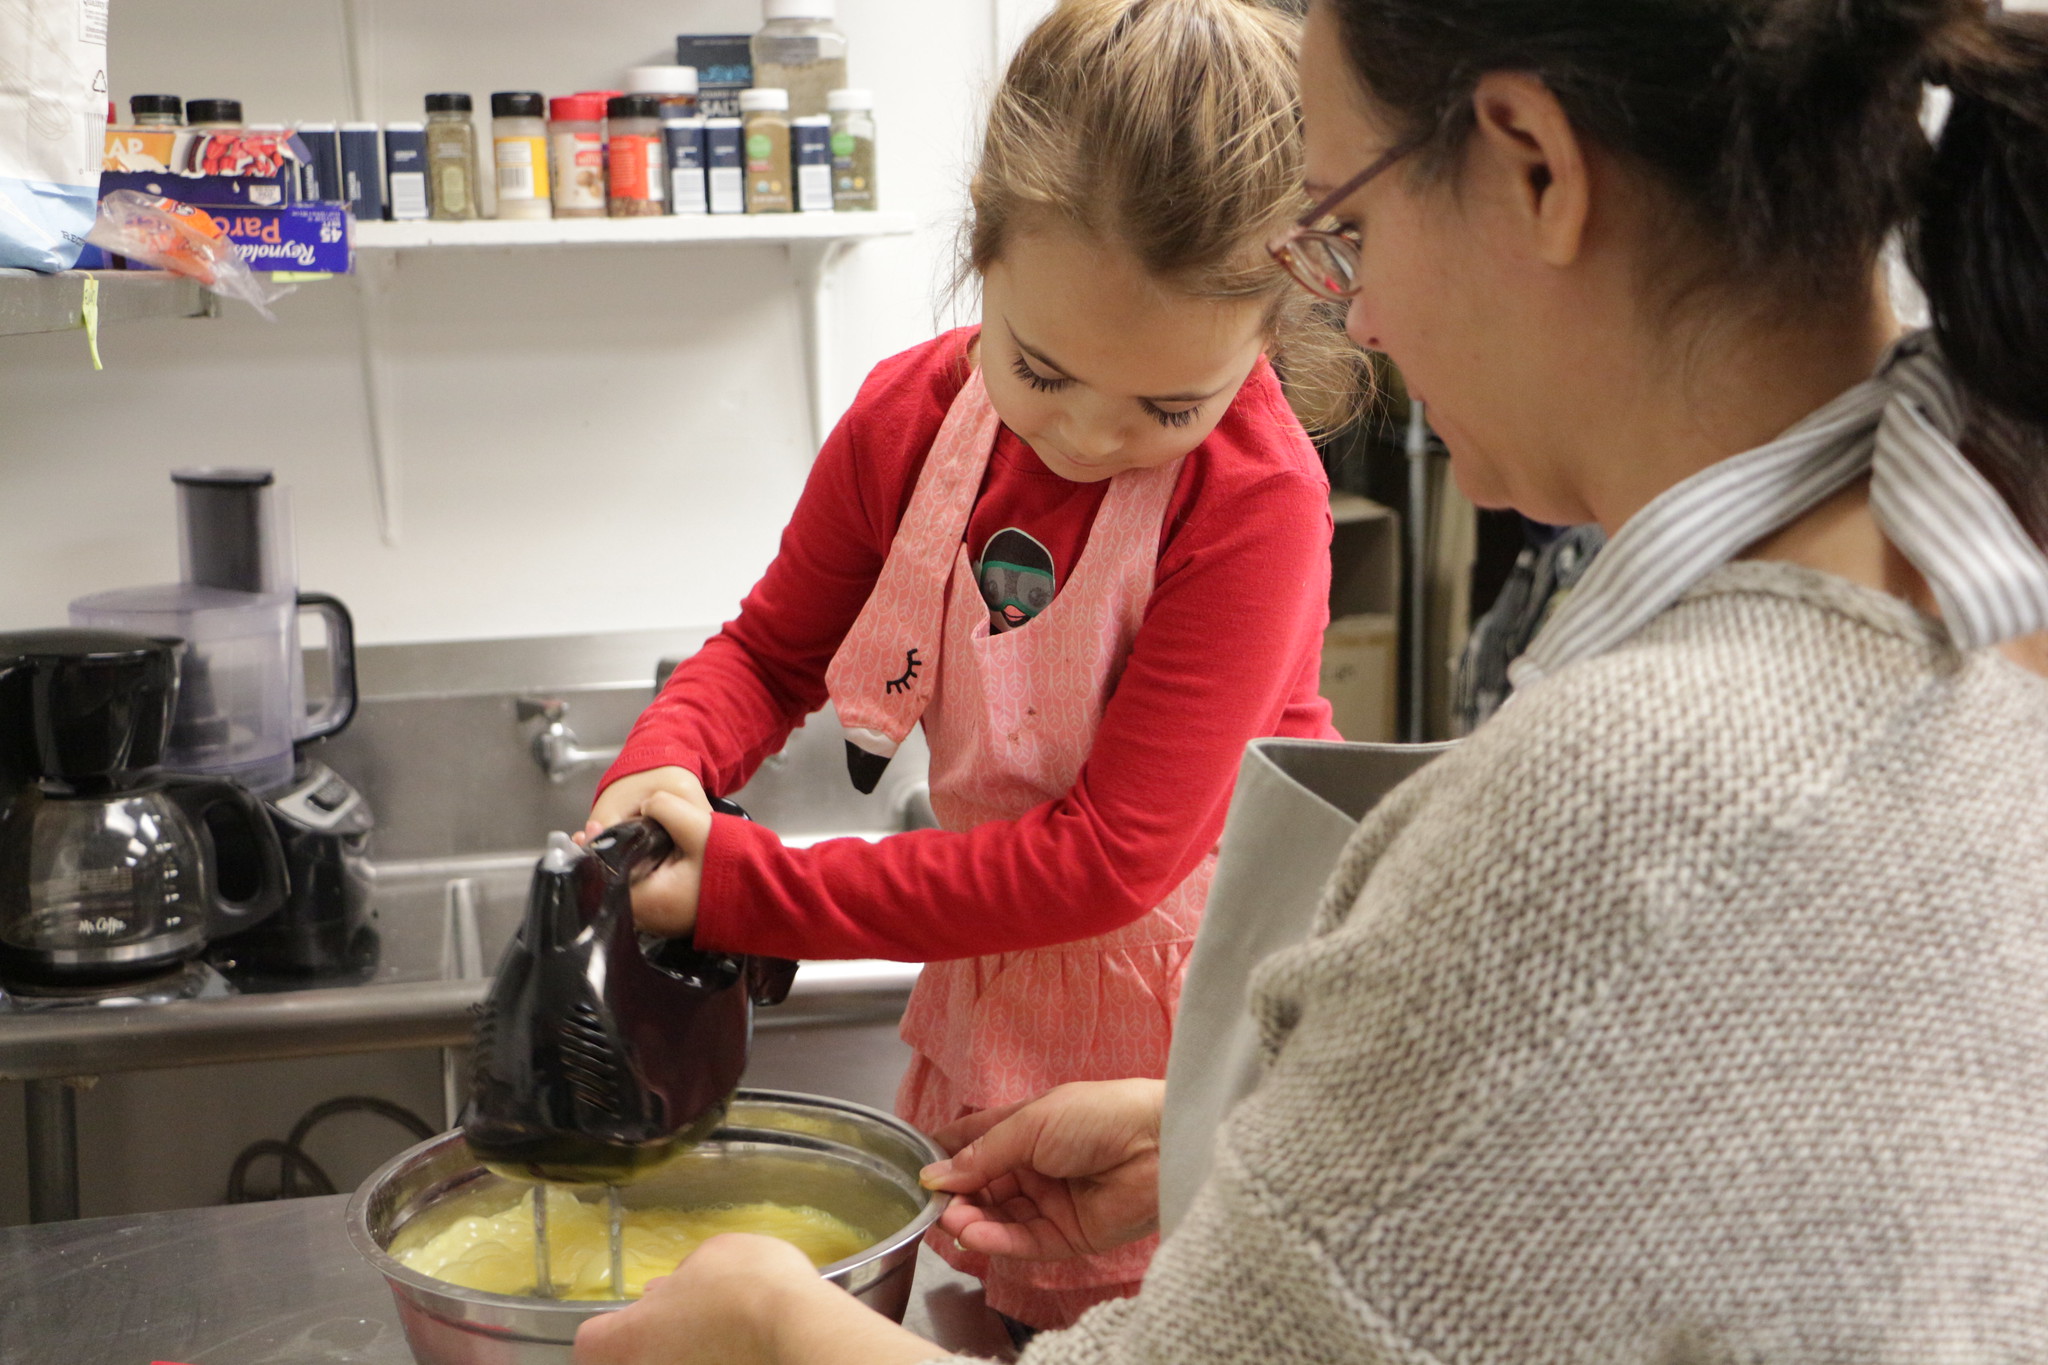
864	768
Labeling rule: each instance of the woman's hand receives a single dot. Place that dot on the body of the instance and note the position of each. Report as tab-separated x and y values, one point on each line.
746	1300
1071	1173
665	900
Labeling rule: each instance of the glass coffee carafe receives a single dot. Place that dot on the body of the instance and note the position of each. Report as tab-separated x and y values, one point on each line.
110	869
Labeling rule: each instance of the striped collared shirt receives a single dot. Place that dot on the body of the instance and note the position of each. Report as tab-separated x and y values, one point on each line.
1900	427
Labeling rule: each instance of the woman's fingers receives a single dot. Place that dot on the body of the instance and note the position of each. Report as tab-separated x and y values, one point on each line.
961	1131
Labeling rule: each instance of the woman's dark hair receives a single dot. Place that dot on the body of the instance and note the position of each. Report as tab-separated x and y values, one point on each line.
1787	135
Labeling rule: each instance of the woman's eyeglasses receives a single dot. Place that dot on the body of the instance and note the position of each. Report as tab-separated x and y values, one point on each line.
1325	261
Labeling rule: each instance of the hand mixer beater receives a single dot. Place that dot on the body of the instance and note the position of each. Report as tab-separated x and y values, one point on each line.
601	1052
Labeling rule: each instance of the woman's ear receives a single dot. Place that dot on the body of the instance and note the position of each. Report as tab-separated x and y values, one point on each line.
1529	143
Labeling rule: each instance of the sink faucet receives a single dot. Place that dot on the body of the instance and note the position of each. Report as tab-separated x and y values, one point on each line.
555	747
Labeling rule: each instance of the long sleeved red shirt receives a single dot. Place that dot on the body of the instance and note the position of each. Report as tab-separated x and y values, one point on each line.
1228	652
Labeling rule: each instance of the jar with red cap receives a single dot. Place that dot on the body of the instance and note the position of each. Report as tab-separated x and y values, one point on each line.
576	148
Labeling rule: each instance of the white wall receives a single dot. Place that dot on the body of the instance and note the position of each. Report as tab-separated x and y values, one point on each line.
591	439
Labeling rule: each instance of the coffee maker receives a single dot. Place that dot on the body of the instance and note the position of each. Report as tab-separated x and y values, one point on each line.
242	714
113	873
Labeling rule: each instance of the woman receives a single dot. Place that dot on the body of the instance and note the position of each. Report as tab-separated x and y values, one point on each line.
1691	1009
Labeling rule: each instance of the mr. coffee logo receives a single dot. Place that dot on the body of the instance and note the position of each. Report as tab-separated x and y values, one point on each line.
105	926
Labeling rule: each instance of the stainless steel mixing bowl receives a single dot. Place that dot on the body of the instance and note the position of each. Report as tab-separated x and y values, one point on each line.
855	1163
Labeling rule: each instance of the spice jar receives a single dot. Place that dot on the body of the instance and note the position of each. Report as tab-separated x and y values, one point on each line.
672	85
635	157
683	139
576	145
801	50
725	166
157	111
213	113
405	168
451	158
853	150
810	155
766	114
519	153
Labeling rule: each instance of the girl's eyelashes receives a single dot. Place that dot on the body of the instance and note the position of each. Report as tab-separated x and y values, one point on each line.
1022	369
1178	418
1044	384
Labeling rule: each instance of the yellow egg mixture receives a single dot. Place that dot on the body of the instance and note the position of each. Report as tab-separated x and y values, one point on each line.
495	1253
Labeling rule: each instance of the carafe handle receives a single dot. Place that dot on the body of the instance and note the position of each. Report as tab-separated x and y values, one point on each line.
241	847
340	708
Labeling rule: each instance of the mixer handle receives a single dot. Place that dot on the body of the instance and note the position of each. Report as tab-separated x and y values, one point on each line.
633	848
769	979
636	846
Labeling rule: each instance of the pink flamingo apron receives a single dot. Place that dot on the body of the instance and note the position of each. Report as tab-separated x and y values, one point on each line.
1010	718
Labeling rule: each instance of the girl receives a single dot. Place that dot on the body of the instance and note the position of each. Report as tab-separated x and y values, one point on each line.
1085	545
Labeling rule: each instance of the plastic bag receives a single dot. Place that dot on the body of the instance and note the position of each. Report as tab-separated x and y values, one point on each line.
184	240
53	128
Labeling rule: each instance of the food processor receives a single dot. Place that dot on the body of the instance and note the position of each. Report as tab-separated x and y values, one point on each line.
112	871
242	715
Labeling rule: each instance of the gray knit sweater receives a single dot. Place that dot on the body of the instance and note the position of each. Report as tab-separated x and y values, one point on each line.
1695	1009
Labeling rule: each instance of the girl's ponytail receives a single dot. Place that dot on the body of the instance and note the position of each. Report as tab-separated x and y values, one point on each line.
1980	246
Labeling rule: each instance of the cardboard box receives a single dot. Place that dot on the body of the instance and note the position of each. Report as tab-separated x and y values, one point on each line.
204	191
1365	557
212	168
1361	675
296	237
725	66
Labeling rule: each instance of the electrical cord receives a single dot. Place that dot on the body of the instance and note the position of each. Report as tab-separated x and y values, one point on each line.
289	1159
291	1155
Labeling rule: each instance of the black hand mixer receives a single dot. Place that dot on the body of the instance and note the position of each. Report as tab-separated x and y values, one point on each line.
601	1052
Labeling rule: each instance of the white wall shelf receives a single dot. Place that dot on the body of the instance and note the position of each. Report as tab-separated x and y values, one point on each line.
814	241
723	229
31	302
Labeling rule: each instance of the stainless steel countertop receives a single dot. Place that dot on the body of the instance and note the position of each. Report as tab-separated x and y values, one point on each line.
275	1284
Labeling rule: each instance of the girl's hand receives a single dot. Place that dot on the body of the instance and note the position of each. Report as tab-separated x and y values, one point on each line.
626	797
665	900
746	1300
1074	1172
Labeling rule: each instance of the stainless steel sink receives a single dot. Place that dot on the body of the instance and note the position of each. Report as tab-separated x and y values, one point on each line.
449	919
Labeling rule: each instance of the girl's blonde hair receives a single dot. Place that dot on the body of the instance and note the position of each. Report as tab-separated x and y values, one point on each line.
1170	128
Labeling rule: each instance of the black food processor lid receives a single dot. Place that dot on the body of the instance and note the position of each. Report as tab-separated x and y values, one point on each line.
224	477
448	104
138	105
